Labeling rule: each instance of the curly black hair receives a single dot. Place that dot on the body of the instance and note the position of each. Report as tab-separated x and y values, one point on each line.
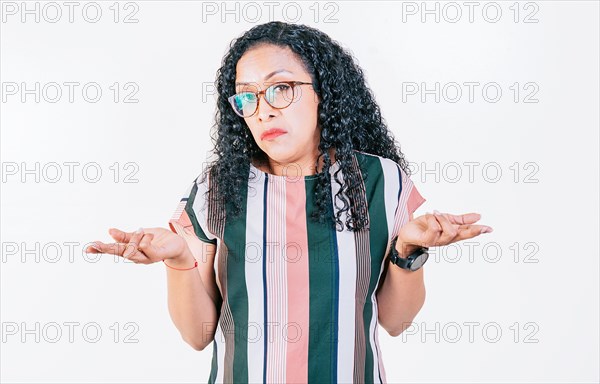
348	117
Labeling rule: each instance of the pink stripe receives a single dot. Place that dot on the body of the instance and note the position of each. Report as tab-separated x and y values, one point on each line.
414	200
297	273
180	216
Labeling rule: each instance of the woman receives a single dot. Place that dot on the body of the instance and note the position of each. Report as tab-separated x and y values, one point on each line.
294	226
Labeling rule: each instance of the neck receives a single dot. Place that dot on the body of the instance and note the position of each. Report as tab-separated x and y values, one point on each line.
293	169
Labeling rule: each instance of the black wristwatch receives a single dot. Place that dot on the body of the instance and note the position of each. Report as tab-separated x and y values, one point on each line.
413	261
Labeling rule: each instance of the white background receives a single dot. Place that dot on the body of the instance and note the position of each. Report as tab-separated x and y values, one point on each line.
548	210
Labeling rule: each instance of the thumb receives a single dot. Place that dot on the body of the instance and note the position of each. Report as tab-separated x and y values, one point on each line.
119	236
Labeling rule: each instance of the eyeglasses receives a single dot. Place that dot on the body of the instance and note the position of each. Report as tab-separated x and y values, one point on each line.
279	95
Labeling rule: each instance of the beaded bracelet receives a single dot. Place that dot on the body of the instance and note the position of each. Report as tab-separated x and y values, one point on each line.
182	269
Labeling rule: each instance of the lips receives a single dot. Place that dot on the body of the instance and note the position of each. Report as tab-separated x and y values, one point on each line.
272	133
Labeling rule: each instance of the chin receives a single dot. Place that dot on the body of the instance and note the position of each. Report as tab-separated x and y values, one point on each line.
277	156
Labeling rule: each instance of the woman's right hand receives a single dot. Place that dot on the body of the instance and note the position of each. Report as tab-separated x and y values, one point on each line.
144	246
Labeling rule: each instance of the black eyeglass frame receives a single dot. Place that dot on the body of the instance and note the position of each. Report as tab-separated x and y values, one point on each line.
292	84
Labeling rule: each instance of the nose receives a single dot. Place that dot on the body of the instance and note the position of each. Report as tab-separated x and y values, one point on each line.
265	111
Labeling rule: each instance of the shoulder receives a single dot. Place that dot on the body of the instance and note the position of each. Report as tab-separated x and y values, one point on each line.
195	193
370	157
202	181
380	165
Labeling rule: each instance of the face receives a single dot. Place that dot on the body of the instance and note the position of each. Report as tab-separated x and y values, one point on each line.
258	68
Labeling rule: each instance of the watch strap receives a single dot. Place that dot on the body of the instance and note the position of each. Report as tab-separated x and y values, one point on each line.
405	262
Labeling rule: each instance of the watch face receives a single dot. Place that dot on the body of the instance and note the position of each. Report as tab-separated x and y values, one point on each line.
419	261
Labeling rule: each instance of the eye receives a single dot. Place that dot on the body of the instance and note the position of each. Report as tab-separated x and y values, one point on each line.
281	87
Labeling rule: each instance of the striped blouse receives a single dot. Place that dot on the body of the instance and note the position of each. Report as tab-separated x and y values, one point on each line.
299	300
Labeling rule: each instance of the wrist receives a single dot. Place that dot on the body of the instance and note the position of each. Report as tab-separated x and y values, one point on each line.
405	249
186	259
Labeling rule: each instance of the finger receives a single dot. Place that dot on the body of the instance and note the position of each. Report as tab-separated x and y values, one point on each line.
134	241
146	240
467	218
139	256
469	231
449	230
100	247
434	229
93	248
119	236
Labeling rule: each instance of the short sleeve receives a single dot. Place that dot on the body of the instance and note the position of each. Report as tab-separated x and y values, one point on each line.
409	199
191	216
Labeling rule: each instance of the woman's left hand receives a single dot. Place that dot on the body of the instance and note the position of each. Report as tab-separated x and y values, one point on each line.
437	229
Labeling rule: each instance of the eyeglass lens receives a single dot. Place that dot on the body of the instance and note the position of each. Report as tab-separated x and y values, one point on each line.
277	95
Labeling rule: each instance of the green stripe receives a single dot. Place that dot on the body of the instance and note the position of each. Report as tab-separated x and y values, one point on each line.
235	238
378	233
321	266
214	367
190	211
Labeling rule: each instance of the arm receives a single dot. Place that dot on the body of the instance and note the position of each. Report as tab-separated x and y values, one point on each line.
193	296
401	294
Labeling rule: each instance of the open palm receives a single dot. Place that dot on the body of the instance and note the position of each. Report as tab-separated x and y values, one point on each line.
144	246
437	229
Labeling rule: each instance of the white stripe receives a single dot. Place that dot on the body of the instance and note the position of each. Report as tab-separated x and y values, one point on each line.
254	281
371	339
392	187
347	296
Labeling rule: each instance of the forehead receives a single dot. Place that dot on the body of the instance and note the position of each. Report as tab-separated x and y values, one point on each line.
268	61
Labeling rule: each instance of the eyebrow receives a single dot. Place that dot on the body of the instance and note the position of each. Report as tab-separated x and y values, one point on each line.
266	77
